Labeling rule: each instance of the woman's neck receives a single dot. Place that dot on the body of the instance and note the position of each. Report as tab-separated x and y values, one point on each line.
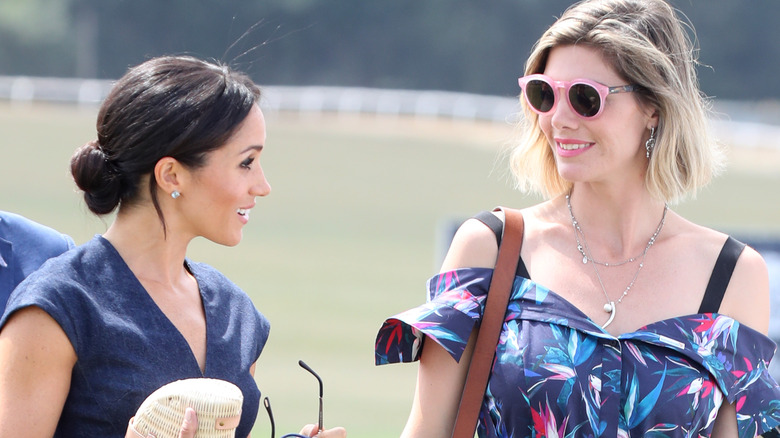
617	223
152	253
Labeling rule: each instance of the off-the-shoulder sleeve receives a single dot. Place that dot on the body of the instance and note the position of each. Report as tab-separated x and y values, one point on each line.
752	390
738	359
455	304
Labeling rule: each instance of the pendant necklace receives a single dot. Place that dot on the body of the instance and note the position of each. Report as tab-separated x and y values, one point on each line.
582	246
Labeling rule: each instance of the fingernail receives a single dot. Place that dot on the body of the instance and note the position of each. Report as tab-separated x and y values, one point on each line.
189	415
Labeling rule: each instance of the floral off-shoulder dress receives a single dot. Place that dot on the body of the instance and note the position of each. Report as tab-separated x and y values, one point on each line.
558	374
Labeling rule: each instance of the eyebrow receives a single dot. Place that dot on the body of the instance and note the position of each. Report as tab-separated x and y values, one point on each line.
257	148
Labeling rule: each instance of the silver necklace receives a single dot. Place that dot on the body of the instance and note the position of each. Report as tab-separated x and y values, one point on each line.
587	258
611	306
582	245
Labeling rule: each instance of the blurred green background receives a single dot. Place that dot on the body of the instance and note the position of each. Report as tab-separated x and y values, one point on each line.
354	224
456	45
348	236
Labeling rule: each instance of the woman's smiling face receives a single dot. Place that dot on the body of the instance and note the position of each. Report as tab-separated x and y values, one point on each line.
219	195
608	147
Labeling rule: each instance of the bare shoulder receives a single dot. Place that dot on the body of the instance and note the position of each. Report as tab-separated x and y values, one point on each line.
473	246
747	296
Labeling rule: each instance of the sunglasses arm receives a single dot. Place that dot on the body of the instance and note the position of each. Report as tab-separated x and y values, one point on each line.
622	89
319	423
308	368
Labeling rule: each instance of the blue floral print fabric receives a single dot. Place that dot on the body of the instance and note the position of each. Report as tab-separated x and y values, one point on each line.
558	374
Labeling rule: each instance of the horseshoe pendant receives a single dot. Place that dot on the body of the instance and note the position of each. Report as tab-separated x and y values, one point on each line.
611	308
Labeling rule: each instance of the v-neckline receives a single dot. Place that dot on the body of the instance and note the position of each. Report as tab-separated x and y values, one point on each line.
650	327
595	328
188	266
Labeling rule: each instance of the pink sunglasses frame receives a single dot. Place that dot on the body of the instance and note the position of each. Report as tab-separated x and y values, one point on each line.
602	90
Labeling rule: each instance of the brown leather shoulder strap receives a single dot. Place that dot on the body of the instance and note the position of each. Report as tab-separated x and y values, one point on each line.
490	329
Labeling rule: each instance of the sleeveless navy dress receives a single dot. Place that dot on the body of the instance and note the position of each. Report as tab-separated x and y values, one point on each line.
127	347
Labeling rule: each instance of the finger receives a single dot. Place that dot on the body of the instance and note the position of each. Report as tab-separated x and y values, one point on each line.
190	424
309	430
336	432
130	430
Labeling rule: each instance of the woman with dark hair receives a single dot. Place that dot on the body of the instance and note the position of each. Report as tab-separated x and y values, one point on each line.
624	319
86	339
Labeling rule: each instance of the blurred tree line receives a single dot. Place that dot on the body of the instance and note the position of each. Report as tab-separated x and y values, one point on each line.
457	45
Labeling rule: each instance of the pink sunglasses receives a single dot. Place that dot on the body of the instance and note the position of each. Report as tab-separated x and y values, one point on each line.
585	97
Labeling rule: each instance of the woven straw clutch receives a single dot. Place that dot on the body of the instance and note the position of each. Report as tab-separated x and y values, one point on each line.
217	404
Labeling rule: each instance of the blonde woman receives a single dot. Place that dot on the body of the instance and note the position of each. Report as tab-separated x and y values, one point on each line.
625	319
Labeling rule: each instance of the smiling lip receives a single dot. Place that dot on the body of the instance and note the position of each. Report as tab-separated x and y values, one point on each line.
571	148
243	213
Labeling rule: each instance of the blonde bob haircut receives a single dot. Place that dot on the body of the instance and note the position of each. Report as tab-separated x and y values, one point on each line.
646	44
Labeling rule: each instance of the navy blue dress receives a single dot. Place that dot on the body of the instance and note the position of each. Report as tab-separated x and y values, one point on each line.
127	347
558	373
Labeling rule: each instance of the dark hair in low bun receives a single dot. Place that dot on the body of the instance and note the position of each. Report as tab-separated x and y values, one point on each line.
170	106
93	175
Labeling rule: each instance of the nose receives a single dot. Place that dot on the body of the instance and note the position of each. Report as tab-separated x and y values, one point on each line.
563	116
262	187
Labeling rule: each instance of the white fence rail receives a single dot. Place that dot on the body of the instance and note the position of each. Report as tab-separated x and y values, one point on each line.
749	125
285	98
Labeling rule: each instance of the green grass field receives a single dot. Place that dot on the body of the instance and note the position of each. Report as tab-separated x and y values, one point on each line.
347	237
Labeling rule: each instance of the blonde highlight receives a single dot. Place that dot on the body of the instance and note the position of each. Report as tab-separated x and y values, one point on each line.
645	43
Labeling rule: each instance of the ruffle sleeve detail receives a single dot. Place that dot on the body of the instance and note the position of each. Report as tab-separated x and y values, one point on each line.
455	304
753	391
738	359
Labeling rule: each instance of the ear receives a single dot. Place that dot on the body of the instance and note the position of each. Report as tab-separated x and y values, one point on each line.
652	121
168	173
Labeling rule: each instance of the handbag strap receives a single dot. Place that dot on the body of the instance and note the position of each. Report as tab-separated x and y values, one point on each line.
490	329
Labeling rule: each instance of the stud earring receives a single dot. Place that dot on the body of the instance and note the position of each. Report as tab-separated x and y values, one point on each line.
650	143
175	194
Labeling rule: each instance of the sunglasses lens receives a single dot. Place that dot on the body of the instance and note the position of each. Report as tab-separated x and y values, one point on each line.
540	95
585	99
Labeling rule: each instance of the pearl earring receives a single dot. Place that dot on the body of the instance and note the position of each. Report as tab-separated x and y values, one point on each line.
175	194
